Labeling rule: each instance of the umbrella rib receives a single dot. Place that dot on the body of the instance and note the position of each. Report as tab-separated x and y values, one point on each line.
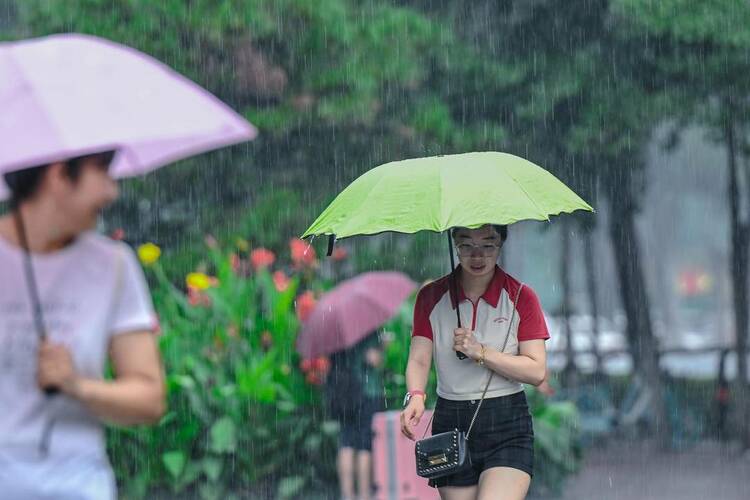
521	187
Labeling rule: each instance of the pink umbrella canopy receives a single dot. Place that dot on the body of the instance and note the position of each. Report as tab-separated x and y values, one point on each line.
69	95
352	311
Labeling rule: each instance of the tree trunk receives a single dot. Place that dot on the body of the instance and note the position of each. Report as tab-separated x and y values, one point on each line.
570	371
738	272
641	340
593	291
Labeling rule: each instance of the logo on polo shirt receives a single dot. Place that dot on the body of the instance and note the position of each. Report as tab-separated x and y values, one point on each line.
500	319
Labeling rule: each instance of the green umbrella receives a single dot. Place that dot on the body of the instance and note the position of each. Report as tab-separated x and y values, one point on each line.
442	192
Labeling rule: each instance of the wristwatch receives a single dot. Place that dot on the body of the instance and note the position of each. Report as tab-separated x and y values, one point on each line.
410	394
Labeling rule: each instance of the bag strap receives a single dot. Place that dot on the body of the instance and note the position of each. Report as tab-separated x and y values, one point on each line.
492	373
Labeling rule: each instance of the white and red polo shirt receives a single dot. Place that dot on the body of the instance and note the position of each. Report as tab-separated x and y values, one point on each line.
489	317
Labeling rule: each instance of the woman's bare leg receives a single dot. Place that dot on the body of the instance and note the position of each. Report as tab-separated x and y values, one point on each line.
345	469
364	473
458	492
503	483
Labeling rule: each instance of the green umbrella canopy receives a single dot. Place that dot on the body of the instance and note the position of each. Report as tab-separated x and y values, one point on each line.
441	192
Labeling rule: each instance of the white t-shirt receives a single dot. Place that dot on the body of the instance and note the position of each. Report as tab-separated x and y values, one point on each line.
90	291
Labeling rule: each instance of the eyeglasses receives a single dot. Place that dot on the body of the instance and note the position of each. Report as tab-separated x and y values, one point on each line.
467	249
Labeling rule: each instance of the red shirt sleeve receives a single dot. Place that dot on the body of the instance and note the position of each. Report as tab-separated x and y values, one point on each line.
532	326
422	310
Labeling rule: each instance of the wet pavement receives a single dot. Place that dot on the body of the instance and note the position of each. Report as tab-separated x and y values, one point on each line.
638	471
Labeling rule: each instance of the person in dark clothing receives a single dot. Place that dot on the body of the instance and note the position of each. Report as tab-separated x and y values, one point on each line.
354	393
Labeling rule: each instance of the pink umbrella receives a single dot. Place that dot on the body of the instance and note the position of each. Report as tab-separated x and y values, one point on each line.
352	311
69	95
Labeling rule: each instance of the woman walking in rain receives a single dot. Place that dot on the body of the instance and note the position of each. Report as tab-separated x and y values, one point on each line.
70	301
504	336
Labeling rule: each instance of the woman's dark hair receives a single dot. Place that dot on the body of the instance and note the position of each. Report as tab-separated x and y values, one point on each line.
23	184
501	230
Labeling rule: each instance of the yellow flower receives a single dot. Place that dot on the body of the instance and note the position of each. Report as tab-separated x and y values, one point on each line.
243	244
198	281
148	253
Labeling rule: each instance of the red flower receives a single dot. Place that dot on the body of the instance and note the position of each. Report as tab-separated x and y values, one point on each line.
305	304
340	253
118	234
321	364
262	257
303	254
198	297
313	378
280	281
306	365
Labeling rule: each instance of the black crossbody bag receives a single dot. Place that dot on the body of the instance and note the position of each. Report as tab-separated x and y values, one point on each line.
448	452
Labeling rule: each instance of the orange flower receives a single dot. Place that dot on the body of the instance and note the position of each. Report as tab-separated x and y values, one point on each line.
280	281
321	364
306	365
340	253
262	258
305	304
303	254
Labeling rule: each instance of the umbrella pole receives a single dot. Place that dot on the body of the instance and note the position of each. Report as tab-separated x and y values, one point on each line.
454	289
36	305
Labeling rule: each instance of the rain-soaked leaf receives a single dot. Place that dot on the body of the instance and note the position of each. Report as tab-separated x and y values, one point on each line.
212	467
174	461
184	381
313	442
223	436
330	427
286	406
290	486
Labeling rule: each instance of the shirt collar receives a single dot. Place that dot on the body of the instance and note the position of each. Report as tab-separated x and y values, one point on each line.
491	295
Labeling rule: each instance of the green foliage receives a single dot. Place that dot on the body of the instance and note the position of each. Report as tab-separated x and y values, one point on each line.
241	413
722	21
557	452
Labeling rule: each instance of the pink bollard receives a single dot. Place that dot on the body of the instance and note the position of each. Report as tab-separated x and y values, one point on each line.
395	468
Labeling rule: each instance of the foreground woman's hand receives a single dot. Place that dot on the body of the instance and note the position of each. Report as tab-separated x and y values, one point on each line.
464	341
55	369
411	415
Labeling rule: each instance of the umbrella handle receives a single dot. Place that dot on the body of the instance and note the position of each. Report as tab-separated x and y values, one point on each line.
454	290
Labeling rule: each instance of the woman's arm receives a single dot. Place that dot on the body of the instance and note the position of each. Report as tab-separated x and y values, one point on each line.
417	373
419	364
136	396
529	367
